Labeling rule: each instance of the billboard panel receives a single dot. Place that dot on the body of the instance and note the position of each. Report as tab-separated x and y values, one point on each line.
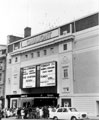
48	74
29	77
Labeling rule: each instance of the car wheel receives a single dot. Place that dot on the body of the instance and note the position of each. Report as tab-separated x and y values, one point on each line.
73	118
55	118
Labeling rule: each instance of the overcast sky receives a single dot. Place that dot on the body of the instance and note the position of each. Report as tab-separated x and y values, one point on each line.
40	15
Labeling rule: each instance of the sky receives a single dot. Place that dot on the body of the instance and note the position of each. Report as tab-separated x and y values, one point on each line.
40	15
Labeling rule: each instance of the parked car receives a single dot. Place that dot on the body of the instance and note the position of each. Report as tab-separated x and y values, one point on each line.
67	113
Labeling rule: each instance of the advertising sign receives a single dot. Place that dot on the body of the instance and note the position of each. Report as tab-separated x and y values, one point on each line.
29	77
40	38
47	74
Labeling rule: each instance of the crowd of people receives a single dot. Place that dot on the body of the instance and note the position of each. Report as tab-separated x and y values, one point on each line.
28	112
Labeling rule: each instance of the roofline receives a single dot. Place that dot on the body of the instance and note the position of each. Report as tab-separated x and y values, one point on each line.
62	25
37	34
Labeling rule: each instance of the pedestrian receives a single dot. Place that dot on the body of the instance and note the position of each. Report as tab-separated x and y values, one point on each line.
18	113
37	113
22	113
0	114
41	112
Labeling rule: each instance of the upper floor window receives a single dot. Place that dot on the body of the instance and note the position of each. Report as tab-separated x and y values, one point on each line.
65	72
26	56
45	52
0	76
3	51
52	50
9	61
64	46
38	54
32	55
16	59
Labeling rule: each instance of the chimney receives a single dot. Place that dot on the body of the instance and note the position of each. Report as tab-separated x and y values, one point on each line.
27	32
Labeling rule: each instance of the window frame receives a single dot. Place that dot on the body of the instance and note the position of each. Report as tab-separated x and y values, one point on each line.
16	59
0	77
65	70
45	52
32	55
26	56
60	109
10	60
65	46
38	53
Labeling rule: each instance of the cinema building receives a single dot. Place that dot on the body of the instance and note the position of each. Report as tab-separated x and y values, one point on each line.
58	66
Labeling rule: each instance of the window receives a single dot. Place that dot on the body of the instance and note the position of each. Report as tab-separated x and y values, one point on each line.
65	72
32	55
16	46
52	50
16	59
45	52
0	76
59	110
26	56
0	91
65	110
66	89
3	51
65	47
9	61
38	54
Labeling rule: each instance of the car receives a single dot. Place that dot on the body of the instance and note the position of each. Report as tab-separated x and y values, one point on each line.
67	113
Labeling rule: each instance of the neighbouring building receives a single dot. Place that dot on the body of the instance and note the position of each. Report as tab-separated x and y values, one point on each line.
2	74
58	66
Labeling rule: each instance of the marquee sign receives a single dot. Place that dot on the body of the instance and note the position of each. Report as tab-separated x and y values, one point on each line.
48	74
29	77
40	38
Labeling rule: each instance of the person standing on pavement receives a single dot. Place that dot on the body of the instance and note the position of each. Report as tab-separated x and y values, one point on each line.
0	114
22	113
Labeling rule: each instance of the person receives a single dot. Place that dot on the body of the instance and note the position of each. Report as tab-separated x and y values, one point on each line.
22	113
18	113
41	112
37	113
0	114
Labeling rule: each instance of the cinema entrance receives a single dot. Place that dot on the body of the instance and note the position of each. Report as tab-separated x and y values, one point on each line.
43	100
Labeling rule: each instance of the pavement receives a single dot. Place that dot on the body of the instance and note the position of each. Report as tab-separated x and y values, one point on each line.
22	119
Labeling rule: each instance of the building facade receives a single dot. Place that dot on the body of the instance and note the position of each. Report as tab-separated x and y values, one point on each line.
2	74
58	66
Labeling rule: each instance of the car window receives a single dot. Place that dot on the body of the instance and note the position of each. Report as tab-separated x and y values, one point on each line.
59	110
65	110
73	110
53	109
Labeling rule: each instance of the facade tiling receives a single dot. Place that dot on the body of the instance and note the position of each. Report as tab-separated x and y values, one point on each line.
2	74
58	66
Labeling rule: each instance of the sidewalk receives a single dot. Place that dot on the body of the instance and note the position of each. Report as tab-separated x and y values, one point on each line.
14	118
